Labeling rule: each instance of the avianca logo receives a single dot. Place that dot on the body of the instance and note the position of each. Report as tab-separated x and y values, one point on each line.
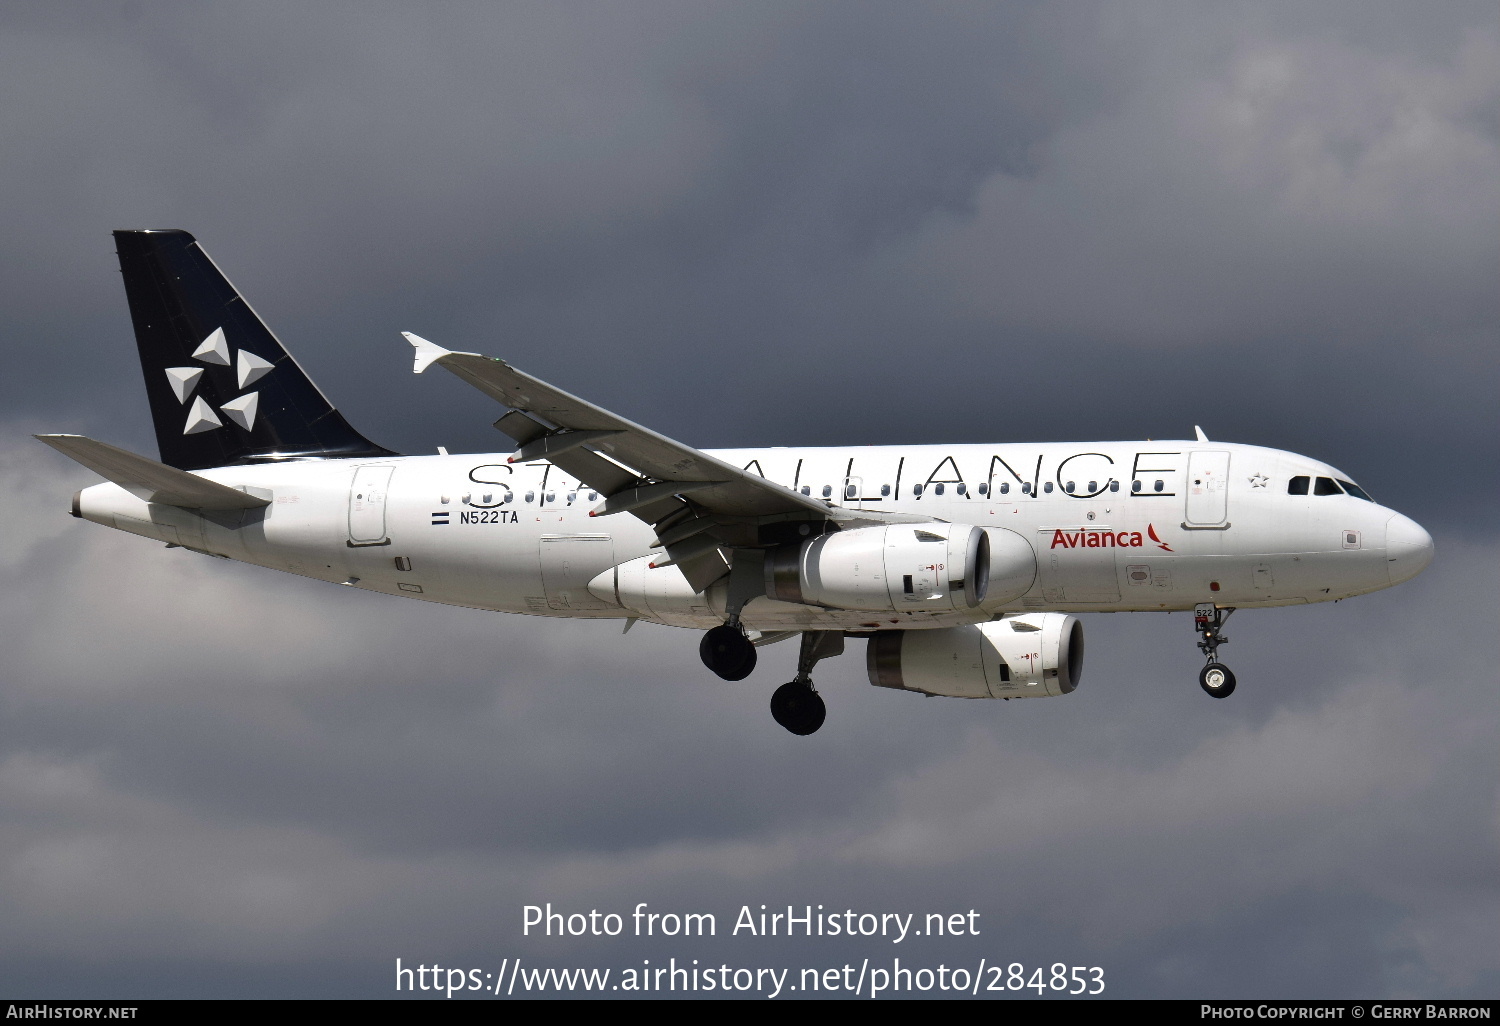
1089	539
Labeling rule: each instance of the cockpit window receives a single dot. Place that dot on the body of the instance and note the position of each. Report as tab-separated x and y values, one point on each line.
1327	486
1298	485
1354	490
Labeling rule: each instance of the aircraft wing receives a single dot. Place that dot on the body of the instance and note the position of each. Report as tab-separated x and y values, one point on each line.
693	498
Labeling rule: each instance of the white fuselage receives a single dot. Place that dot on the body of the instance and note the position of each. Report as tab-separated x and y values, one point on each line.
1114	525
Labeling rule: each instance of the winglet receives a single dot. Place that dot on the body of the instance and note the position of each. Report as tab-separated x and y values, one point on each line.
1199	432
427	353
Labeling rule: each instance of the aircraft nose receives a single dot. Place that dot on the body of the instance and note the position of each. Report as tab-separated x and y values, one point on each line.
1408	548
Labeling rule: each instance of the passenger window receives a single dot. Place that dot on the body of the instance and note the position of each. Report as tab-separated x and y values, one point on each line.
1004	487
1068	487
885	489
1298	485
827	491
593	496
530	496
938	488
807	489
1093	486
916	490
963	489
1354	490
1114	486
1047	486
1026	488
1158	484
849	491
1326	486
984	488
1135	486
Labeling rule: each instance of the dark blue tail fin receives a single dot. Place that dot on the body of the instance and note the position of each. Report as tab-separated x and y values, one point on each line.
221	387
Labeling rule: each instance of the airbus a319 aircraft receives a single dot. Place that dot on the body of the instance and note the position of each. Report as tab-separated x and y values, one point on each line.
961	566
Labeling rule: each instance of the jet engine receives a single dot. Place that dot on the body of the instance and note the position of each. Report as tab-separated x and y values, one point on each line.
905	567
1026	655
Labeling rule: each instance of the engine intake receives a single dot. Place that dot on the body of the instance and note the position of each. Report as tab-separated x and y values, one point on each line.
1027	655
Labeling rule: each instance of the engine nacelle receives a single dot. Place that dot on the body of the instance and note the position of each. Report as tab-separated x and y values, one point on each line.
1026	655
903	567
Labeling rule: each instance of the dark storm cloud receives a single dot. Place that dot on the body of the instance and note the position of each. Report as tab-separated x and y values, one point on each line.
740	224
1043	215
204	761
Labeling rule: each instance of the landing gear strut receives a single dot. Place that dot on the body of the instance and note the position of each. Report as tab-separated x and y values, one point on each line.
726	649
1208	621
795	705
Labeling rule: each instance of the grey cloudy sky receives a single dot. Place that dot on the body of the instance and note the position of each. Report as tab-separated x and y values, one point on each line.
758	224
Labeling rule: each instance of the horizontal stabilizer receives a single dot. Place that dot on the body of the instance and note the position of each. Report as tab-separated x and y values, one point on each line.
149	480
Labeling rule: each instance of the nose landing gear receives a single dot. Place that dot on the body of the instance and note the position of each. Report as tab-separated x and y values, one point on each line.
1217	679
795	705
1208	622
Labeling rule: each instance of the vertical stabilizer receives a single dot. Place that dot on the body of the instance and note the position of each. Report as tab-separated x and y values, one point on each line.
221	387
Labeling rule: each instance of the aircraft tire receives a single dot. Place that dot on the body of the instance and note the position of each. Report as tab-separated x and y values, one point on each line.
798	708
727	652
1217	679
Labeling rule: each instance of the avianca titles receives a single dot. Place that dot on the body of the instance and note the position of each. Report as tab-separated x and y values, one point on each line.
961	567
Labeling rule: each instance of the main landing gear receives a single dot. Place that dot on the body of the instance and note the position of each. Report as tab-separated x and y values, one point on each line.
726	651
795	705
1208	621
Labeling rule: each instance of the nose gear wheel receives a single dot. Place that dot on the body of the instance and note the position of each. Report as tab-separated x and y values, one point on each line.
1217	679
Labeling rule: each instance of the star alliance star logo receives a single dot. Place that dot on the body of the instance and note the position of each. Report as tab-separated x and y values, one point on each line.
1259	481
249	369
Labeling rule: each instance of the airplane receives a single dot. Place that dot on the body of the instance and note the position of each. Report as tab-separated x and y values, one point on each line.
963	567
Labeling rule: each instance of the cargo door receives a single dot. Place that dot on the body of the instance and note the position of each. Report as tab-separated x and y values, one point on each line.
1077	566
569	563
